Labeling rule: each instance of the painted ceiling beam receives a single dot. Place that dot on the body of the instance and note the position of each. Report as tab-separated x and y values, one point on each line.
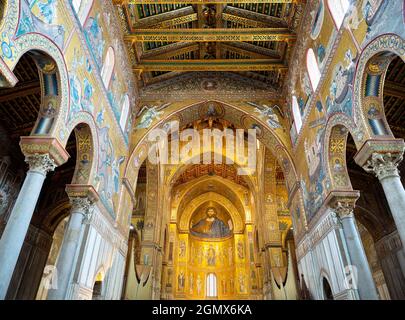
210	65
211	35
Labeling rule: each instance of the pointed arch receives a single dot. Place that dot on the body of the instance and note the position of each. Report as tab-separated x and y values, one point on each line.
241	117
368	103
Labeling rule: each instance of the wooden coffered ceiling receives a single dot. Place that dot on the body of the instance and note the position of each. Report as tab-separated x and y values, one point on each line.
167	38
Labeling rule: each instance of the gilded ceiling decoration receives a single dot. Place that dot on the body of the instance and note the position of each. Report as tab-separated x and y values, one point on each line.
167	39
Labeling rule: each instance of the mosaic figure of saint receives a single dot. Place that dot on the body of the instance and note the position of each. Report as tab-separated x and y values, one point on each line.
191	283
211	256
241	254
181	281
199	285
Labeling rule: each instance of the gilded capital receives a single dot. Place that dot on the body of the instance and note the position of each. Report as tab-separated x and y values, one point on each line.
384	165
41	163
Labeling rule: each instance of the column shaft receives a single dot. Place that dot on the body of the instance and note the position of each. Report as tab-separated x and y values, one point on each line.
364	278
16	229
395	194
64	265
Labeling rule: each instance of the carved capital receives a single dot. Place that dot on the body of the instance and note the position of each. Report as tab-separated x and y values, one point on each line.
82	205
365	153
342	202
344	208
82	199
41	163
384	165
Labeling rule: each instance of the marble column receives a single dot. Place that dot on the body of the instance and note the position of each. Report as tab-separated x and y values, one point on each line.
343	203
385	167
14	233
81	209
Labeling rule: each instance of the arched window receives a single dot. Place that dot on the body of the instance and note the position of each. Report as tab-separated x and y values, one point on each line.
211	285
124	113
76	5
296	114
108	66
313	69
338	9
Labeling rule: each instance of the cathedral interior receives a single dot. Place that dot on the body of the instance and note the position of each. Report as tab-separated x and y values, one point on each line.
117	177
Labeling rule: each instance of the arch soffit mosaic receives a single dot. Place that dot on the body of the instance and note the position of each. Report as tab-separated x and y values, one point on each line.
87	147
368	96
337	129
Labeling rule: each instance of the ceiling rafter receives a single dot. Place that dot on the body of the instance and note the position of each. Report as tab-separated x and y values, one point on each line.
170	50
246	51
255	49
